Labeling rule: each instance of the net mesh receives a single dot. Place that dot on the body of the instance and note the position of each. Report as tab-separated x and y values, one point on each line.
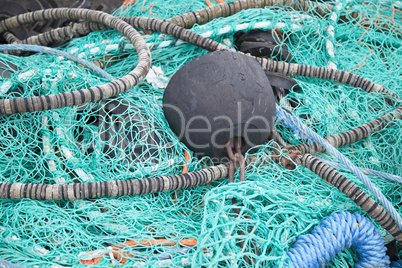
128	137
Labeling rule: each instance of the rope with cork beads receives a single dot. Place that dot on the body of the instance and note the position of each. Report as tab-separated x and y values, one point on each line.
82	192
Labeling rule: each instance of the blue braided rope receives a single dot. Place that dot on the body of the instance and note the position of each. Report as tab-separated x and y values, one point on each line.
48	50
367	171
339	231
285	116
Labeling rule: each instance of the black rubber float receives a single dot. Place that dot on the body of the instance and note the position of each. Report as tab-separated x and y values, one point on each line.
216	97
262	44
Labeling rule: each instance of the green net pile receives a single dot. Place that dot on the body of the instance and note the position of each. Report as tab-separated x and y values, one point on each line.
128	137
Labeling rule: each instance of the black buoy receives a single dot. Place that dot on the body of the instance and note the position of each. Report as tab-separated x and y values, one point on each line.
216	97
267	45
262	44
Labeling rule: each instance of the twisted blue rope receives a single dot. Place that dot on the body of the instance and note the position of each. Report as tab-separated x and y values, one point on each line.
339	231
48	50
284	116
367	171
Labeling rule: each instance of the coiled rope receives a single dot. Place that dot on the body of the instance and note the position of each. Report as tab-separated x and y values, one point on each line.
148	24
186	20
117	188
339	231
222	10
178	32
205	15
151	24
96	190
54	101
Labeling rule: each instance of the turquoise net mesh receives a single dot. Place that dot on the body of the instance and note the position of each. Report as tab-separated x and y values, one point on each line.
271	209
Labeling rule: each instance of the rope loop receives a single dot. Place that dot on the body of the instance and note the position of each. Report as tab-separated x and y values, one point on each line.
92	94
339	231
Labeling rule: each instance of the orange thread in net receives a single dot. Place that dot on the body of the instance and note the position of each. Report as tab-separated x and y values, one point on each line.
362	25
132	2
208	2
150	9
121	256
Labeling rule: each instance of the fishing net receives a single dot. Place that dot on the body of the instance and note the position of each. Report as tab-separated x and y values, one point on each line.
127	136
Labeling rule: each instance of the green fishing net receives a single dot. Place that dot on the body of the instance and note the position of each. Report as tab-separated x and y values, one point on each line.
128	137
